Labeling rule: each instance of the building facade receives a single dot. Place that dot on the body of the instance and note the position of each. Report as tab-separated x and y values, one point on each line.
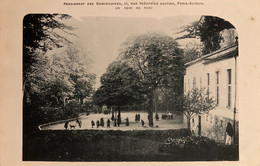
216	73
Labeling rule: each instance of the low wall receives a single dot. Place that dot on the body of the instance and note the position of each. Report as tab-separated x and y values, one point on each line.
56	122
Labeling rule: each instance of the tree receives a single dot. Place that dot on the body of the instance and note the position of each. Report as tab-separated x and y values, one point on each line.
192	51
208	29
157	60
119	86
39	36
54	70
196	102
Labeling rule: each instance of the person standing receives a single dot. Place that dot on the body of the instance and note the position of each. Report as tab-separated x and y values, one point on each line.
80	124
115	122
97	123
102	122
118	121
127	122
229	134
92	123
142	122
66	125
108	123
156	116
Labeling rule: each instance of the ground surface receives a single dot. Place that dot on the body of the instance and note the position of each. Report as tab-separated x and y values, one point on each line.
175	123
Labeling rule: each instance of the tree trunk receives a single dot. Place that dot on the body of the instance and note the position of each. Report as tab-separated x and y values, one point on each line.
188	123
119	115
150	109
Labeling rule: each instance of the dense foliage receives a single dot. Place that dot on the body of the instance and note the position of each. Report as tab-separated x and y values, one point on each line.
120	86
54	70
109	145
149	62
208	29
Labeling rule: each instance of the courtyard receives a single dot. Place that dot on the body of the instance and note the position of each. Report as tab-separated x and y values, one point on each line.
162	124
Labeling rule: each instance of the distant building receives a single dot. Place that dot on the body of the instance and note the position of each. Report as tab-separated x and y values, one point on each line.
217	73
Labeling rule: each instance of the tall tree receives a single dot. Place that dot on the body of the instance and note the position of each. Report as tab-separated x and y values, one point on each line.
157	59
54	70
39	36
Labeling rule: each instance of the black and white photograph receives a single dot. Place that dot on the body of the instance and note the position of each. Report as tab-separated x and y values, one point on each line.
129	89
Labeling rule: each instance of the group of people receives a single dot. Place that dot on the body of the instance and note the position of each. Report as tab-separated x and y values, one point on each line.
137	117
100	123
66	125
79	122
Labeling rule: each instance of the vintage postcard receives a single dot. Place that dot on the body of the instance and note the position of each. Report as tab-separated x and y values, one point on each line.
129	82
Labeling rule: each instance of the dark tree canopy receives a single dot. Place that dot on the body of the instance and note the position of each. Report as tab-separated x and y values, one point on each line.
39	34
120	86
208	28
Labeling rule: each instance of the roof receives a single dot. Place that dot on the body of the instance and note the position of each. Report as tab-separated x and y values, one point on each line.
223	53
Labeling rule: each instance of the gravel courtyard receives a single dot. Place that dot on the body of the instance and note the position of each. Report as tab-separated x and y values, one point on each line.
175	123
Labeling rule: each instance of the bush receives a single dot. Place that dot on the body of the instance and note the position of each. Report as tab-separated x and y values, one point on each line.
198	147
105	111
72	109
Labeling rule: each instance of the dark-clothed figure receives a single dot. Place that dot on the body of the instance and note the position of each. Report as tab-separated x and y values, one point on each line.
229	134
115	122
118	121
92	123
80	124
157	116
97	123
108	123
127	122
136	118
142	122
102	122
66	125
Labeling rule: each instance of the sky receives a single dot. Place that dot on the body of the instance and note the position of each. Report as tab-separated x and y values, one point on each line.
101	37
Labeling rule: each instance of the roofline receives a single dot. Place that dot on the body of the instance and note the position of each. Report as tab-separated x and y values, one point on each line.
210	54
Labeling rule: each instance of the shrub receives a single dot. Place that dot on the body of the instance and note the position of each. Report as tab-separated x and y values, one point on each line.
72	109
198	147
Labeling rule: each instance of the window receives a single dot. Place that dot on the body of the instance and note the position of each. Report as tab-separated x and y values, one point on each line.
229	76
229	88
217	95
229	96
217	77
208	78
217	87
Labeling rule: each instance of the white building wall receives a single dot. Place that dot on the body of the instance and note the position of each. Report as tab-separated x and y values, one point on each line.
213	124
